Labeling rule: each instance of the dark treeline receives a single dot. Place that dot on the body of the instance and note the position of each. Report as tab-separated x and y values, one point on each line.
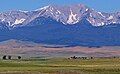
5	57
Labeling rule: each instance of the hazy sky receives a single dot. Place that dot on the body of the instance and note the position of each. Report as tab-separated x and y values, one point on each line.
99	5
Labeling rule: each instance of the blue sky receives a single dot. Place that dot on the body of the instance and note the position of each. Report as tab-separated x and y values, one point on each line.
99	5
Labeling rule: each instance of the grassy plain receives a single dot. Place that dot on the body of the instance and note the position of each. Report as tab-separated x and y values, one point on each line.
60	66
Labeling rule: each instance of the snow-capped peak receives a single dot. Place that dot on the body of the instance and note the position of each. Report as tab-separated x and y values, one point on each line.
23	11
43	8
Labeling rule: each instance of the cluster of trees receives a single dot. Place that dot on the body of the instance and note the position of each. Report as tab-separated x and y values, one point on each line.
74	57
10	57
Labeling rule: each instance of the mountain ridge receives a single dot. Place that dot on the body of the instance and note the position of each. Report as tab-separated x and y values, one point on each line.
72	25
65	14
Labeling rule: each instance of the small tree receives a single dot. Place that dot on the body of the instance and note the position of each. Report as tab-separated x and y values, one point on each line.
74	57
91	57
4	57
9	57
19	57
114	57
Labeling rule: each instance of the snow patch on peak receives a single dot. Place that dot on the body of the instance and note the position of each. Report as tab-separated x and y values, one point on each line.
99	24
3	20
18	21
86	9
111	17
9	23
102	24
91	15
51	9
114	22
72	18
101	14
95	23
58	12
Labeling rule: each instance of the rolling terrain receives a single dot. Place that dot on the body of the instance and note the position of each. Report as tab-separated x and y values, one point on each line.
34	50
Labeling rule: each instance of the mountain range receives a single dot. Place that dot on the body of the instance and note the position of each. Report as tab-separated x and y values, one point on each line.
76	25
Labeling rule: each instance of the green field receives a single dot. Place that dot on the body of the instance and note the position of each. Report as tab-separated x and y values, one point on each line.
60	66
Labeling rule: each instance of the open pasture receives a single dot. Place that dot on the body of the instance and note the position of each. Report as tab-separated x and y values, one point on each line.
60	66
